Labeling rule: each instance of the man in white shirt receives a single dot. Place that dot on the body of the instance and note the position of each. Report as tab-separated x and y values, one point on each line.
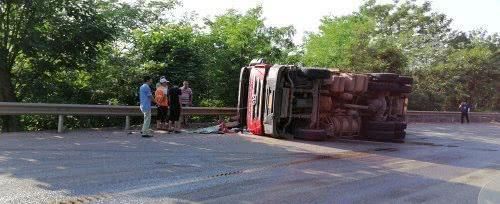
186	98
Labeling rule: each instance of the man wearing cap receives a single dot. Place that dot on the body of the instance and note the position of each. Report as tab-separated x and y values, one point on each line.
161	100
145	98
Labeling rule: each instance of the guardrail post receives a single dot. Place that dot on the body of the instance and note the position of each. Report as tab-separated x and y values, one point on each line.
60	124
127	122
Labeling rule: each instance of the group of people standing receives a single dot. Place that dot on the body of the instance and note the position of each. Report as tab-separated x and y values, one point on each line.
169	99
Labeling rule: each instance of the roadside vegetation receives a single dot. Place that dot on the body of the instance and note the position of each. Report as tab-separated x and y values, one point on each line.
95	52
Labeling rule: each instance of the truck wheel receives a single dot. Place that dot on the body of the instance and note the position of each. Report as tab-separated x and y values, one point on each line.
310	134
405	80
387	77
313	73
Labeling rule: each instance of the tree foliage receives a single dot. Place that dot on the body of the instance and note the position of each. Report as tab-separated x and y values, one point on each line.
415	29
339	43
468	74
396	37
174	51
348	43
234	40
47	44
410	38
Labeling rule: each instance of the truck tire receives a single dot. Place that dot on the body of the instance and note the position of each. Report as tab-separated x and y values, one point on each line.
310	134
313	73
405	80
387	77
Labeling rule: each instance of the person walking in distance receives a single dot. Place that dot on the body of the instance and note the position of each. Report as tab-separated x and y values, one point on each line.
174	109
186	98
145	98
464	109
161	100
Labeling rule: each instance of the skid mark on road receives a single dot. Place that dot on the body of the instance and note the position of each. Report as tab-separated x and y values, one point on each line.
390	149
84	199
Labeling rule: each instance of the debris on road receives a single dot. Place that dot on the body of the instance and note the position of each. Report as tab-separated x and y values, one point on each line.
222	128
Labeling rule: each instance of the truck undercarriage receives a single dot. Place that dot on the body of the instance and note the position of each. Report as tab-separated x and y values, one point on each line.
286	101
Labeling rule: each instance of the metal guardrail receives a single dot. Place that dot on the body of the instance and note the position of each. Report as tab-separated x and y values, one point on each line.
10	108
441	113
450	117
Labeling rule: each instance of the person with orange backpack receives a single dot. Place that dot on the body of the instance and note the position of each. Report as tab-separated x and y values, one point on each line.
161	100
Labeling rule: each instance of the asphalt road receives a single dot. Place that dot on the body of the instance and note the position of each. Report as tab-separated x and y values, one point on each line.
439	163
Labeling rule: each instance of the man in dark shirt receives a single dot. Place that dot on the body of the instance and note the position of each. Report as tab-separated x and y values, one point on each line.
174	111
464	109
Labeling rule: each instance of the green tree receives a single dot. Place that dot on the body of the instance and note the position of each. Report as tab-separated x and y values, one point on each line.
234	40
80	52
398	37
339	42
135	15
119	65
469	72
175	51
47	38
17	23
415	29
347	43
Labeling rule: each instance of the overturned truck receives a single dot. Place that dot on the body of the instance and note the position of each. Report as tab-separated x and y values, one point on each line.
286	101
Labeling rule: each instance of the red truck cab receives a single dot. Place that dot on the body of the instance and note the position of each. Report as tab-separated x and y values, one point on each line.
255	100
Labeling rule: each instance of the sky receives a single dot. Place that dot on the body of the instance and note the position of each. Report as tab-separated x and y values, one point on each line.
305	15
